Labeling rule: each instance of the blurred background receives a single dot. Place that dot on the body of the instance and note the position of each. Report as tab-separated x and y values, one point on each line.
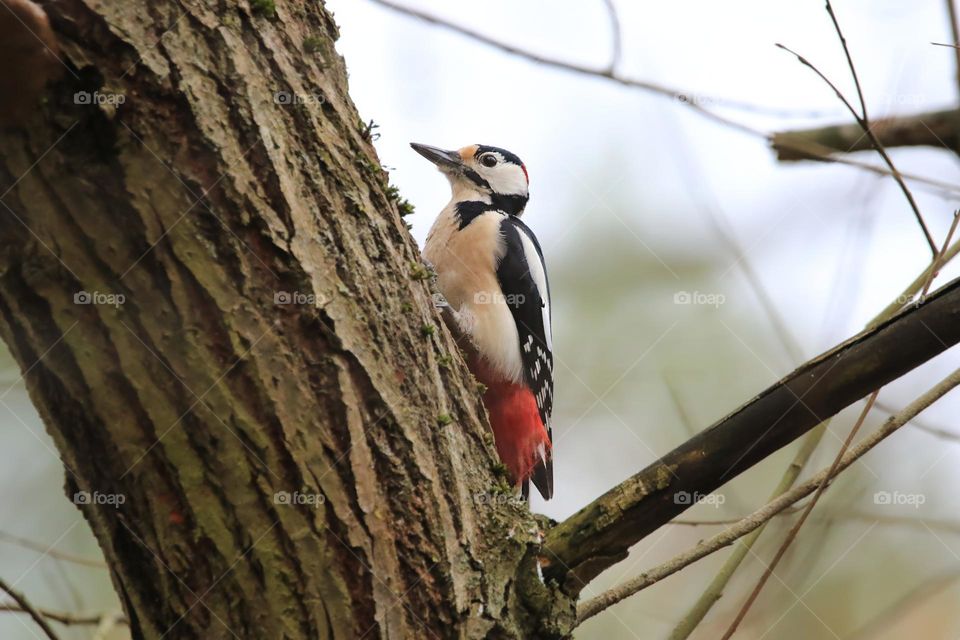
657	331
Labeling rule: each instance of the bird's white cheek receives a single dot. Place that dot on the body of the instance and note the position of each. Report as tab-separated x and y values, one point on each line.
508	180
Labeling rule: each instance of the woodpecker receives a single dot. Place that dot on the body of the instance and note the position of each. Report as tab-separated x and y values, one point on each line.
491	272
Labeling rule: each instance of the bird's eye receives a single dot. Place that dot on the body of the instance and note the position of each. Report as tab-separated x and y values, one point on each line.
488	160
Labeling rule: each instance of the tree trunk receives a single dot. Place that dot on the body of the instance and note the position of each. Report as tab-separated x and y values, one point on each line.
226	329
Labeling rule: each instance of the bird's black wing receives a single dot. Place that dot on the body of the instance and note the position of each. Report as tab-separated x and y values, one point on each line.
522	276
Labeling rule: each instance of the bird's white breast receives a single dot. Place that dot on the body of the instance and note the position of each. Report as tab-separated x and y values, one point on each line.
466	265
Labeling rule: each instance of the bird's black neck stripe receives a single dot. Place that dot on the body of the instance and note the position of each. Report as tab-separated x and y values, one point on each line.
468	210
512	203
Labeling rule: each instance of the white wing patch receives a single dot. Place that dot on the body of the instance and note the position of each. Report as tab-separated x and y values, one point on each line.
540	279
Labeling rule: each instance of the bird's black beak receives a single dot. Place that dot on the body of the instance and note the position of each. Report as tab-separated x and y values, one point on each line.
442	158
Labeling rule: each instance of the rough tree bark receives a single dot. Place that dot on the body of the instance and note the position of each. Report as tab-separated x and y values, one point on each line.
199	199
216	305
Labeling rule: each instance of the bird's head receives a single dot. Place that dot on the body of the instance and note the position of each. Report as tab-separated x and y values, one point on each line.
490	171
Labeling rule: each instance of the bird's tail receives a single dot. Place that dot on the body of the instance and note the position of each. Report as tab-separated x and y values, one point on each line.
522	440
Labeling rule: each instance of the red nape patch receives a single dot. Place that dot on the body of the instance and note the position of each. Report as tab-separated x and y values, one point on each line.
517	428
525	174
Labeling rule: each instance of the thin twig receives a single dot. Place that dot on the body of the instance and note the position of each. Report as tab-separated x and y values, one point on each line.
28	608
955	33
853	68
593	606
795	529
939	432
840	516
616	34
826	80
868	130
716	522
678	406
63	617
53	553
940	255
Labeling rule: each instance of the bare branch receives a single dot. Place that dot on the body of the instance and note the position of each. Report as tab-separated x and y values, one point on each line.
25	605
616	35
825	79
600	535
853	68
595	605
